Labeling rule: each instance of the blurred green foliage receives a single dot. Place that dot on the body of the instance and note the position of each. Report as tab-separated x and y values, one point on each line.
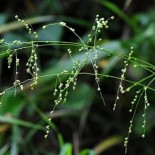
83	123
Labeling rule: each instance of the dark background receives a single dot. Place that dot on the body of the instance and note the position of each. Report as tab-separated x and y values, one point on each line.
84	123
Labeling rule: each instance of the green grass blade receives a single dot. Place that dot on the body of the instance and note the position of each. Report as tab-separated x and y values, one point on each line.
16	25
106	144
15	140
19	122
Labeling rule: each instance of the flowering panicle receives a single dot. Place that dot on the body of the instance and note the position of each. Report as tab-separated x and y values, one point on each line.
27	26
90	50
146	105
136	101
124	70
61	92
32	67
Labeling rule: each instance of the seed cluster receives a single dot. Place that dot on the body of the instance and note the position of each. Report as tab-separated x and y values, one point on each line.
62	89
10	59
124	70
62	23
99	24
135	100
17	82
27	26
146	105
32	67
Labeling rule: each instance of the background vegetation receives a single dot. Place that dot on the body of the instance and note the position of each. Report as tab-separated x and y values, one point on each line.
83	125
